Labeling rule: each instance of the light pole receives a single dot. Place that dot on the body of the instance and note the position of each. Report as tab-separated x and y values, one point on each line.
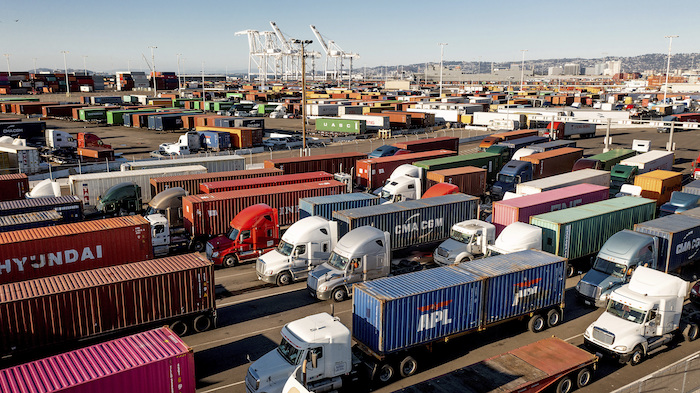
7	57
303	44
65	67
668	64
442	50
34	58
153	61
85	65
204	94
522	69
179	84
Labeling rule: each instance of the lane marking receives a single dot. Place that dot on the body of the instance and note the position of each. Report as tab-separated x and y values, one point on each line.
222	387
256	298
571	338
690	357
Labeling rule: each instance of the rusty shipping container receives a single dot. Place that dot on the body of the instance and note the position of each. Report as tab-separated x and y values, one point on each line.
470	180
13	186
64	110
210	214
242	184
65	308
41	252
331	163
96	153
191	182
553	162
443	142
372	173
396	119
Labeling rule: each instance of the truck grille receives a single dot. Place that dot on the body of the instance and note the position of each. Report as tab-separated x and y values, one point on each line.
259	267
603	336
589	290
210	250
312	282
251	381
442	252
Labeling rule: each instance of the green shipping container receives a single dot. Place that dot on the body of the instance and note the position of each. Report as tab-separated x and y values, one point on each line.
89	114
490	161
236	95
116	118
581	231
612	157
341	125
5	99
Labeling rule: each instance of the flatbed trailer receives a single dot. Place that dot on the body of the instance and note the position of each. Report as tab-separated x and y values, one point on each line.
532	368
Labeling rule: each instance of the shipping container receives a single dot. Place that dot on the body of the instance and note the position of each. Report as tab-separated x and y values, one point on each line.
658	185
398	313
371	122
150	362
211	214
439	143
521	209
581	231
96	153
324	206
70	206
224	163
32	131
553	162
541	147
344	126
470	180
651	161
331	163
13	186
191	182
504	136
610	158
242	184
63	309
216	140
16	222
47	251
492	162
372	173
165	122
695	213
401	120
692	188
24	159
412	223
679	239
590	176
514	144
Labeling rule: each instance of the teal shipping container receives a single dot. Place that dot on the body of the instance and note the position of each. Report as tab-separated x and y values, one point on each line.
490	161
345	126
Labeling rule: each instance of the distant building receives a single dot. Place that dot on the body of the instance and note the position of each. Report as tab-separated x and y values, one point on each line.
555	71
572	69
612	67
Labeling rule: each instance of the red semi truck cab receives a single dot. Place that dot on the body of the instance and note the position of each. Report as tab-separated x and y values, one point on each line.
254	231
87	139
696	168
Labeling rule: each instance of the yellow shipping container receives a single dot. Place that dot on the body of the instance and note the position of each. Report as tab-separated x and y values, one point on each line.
365	110
659	185
628	100
466	119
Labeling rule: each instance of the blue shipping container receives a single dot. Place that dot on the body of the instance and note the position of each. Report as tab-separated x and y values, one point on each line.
216	140
69	206
679	240
16	222
324	206
412	223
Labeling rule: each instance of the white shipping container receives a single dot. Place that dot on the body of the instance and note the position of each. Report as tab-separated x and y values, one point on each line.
441	116
22	158
590	176
373	122
651	161
224	163
89	187
485	118
322	109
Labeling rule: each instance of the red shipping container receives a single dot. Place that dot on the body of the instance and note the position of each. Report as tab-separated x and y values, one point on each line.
441	143
191	182
13	186
210	214
65	110
69	307
42	252
372	173
96	153
242	184
331	163
470	180
522	208
148	362
553	162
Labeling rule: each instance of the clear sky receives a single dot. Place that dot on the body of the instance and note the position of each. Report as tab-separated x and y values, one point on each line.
384	32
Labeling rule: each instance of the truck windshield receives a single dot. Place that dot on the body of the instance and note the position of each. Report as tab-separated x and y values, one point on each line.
610	268
152	210
338	262
288	352
232	234
461	237
285	248
626	312
505	178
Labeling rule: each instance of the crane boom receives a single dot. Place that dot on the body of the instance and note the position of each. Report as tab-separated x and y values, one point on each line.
320	39
280	36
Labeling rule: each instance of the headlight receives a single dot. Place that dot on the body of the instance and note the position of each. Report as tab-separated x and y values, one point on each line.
215	254
693	291
322	287
269	272
620	348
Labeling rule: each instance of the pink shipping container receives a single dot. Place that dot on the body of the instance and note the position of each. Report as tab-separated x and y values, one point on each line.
191	182
443	142
210	214
372	173
331	163
13	186
63	309
522	208
243	184
48	251
156	361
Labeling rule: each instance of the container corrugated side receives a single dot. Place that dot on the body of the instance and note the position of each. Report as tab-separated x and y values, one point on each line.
30	220
191	182
148	362
519	283
695	213
331	163
412	223
242	184
659	185
396	313
324	206
579	231
69	307
443	142
470	180
373	172
13	186
225	163
679	239
590	176
70	206
692	188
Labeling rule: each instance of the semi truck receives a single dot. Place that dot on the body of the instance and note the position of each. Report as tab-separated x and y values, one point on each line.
642	317
371	174
621	175
409	182
392	340
565	130
651	161
666	244
505	136
686	199
542	147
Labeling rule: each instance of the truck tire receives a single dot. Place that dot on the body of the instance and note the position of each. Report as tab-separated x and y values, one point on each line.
179	327
570	270
339	294
230	261
284	278
198	245
385	373
637	356
690	333
201	324
408	366
536	323
583	377
565	385
553	317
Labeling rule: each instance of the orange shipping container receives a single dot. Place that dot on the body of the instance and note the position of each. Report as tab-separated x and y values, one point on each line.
659	185
553	162
470	180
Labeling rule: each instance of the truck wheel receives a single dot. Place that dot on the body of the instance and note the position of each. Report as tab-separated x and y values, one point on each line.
583	377
198	245
385	373
408	366
201	324
283	279
570	270
536	323
340	294
565	385
553	317
179	327
690	333
637	356
230	261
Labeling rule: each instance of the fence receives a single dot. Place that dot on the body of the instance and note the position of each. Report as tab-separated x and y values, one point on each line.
682	376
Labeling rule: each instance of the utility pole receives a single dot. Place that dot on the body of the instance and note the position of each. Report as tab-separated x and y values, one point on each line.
442	49
303	90
668	64
153	61
522	69
7	57
84	65
179	84
204	93
65	67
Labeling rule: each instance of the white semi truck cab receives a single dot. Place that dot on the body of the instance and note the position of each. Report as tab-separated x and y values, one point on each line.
406	183
305	245
641	316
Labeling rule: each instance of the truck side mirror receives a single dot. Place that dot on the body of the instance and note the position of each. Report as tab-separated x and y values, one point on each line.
314	359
